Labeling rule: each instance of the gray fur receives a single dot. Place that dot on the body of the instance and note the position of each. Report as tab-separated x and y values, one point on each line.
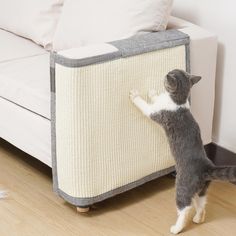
194	169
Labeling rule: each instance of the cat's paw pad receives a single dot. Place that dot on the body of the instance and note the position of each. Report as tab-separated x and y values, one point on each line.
133	94
151	93
174	229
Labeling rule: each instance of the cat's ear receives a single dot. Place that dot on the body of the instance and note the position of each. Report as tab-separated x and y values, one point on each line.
194	79
171	81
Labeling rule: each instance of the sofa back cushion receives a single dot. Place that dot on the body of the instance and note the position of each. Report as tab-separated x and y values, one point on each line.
33	19
93	21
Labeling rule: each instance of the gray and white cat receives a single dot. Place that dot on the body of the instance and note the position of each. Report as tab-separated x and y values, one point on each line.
194	170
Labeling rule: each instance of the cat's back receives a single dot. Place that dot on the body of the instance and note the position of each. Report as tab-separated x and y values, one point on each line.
179	124
183	134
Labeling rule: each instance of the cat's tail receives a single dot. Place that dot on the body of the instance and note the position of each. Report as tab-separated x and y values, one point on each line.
225	173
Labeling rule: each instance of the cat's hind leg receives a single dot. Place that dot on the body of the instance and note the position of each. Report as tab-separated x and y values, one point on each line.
181	220
199	204
200	201
184	205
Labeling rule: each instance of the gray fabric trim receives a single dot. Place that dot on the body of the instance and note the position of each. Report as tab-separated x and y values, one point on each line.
52	59
59	59
188	68
129	47
187	51
53	124
151	42
53	141
52	72
52	80
82	202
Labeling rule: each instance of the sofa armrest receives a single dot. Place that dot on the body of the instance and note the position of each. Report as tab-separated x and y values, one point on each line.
177	23
136	45
203	55
93	50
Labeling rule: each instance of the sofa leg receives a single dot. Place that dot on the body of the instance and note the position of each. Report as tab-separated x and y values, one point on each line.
82	209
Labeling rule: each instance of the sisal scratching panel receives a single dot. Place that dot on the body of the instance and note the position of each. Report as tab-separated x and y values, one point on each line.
102	141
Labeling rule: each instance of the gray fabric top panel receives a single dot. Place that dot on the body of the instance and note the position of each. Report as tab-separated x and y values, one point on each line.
150	42
138	44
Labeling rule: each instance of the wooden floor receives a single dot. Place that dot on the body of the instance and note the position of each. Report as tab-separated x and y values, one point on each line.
32	209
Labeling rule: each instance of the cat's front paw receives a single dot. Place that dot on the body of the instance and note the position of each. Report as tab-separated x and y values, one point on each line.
133	94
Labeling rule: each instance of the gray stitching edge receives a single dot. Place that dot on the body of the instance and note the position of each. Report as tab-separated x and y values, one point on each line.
89	201
53	124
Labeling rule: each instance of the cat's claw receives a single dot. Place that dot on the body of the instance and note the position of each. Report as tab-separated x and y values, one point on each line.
133	94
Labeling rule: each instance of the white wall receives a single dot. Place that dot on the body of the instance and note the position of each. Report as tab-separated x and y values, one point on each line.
219	17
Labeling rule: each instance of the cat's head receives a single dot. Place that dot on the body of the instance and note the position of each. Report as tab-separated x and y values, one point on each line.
178	84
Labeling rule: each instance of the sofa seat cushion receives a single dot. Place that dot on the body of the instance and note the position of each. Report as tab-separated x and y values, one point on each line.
14	47
24	74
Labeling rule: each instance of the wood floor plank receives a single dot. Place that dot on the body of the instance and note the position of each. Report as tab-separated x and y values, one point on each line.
33	209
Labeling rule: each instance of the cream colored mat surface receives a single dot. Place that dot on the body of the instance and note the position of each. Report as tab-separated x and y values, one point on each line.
103	141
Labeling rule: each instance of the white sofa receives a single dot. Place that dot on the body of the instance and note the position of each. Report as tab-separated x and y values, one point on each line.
25	119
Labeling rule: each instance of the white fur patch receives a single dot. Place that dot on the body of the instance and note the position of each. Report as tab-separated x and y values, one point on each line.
199	204
161	102
202	201
164	102
181	221
143	106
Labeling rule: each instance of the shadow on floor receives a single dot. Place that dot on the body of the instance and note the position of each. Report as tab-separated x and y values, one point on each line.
25	158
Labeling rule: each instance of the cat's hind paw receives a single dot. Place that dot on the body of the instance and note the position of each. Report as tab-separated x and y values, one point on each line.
199	218
133	94
175	229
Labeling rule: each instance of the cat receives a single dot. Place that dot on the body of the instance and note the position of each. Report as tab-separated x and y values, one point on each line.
194	170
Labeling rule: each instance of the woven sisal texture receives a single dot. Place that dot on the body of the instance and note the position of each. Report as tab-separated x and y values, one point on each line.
103	141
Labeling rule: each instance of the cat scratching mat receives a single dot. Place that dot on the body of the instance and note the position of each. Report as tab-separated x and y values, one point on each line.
101	144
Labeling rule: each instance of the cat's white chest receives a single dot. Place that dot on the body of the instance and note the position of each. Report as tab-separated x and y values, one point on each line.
164	102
